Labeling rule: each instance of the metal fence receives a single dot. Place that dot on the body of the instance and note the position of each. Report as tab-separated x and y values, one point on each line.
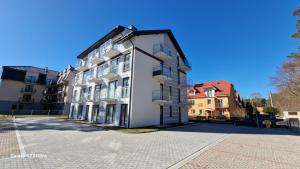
294	125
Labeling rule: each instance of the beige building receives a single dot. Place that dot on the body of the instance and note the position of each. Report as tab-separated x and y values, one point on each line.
217	99
57	97
22	87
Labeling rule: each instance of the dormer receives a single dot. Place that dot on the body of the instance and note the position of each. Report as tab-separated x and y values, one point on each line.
209	92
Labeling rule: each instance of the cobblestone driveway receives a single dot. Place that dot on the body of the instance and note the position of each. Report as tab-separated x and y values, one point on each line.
67	145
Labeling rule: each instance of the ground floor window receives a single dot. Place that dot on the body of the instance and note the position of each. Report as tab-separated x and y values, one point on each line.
110	113
124	115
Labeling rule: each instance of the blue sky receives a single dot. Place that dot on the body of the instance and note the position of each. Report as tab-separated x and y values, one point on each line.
242	41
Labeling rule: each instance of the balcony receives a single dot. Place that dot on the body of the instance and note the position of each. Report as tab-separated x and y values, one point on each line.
162	52
184	67
26	100
221	105
110	96
159	98
109	49
95	99
80	83
97	58
162	73
110	73
82	66
28	90
94	78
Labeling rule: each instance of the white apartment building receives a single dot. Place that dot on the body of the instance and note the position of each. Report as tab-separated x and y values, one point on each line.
132	78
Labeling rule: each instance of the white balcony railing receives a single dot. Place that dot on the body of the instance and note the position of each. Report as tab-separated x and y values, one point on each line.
108	49
82	65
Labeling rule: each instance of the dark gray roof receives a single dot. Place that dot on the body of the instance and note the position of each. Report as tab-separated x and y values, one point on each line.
26	68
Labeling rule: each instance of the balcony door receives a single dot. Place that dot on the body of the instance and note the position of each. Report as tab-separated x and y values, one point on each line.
86	116
110	113
112	87
79	114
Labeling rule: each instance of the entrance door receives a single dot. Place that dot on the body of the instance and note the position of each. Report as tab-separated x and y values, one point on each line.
161	115
123	119
110	113
95	112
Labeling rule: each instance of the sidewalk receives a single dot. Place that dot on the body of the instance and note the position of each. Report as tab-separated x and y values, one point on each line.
8	140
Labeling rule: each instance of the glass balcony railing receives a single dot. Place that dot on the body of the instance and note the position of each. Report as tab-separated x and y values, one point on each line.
157	95
162	51
162	71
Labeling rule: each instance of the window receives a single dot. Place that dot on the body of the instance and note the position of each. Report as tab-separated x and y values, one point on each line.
20	107
13	107
89	92
192	102
97	92
74	95
220	103
292	113
49	82
125	87
114	65
179	95
26	98
170	91
193	111
28	88
85	76
200	112
171	111
208	101
126	65
30	79
177	61
178	77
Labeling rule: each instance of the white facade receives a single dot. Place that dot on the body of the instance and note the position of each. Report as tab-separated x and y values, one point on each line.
139	82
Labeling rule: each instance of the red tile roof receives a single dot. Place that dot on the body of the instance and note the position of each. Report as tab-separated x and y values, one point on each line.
222	87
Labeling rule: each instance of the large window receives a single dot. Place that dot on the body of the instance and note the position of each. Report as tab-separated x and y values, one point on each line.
97	92
171	111
126	65
114	65
31	79
89	96
125	87
112	87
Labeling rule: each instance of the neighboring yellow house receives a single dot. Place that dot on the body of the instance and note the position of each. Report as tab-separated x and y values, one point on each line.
217	99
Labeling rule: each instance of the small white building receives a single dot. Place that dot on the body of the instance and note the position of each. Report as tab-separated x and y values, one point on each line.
291	115
132	78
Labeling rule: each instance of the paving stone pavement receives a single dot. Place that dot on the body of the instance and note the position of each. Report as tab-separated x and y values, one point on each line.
252	148
54	143
8	139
